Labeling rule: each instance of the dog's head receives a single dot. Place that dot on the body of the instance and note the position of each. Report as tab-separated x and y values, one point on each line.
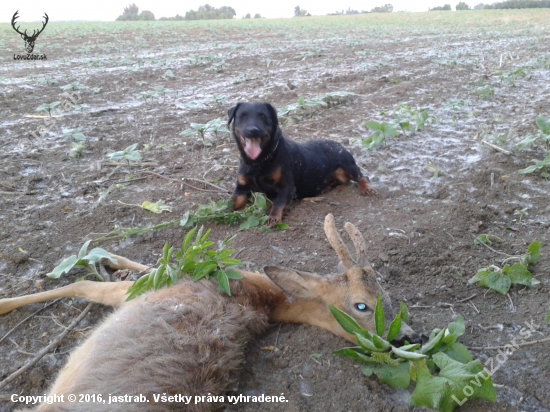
254	128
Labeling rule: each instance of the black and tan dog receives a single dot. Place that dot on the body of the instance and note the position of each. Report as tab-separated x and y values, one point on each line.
283	169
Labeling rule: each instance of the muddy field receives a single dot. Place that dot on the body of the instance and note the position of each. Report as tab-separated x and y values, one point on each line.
482	75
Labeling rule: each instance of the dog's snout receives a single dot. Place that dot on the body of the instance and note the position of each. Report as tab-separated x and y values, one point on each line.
410	339
251	132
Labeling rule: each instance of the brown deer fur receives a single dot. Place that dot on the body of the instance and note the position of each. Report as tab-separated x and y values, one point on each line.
189	339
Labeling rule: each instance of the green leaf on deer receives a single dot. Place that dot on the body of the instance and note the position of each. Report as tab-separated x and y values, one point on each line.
379	319
395	328
346	321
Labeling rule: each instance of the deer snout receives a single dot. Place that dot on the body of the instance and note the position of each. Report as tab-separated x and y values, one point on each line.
407	334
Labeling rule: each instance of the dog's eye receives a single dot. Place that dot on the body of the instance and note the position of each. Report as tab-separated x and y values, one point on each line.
361	307
262	116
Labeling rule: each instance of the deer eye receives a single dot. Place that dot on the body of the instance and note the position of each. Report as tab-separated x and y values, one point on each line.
361	307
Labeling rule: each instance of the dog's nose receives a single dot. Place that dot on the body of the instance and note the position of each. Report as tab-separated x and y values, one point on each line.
251	131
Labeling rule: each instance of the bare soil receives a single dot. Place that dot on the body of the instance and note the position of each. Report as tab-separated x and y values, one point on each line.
420	229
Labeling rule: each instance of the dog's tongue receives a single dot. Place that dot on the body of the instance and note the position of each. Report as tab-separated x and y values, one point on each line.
252	148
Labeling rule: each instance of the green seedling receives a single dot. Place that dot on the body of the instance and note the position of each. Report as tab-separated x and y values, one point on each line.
411	119
441	369
540	165
77	149
486	239
148	94
48	107
130	154
521	213
74	135
501	279
83	259
382	131
217	67
457	104
157	207
47	80
74	86
433	169
542	136
485	92
163	91
215	126
196	259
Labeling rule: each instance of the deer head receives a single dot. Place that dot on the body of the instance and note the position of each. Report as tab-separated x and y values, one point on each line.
29	40
354	290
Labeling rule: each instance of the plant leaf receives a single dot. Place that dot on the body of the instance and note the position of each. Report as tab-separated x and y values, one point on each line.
346	321
395	328
395	376
533	251
439	392
379	319
64	267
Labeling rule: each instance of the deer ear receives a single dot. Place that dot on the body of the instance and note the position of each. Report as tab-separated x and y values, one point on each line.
296	284
231	113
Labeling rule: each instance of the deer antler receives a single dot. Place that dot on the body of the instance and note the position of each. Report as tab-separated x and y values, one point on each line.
336	241
15	16
359	243
34	33
43	25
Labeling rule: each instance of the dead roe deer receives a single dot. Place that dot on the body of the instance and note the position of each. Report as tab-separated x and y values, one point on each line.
189	339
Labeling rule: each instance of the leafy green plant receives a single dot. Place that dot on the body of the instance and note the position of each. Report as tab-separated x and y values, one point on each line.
485	92
47	107
197	259
83	259
411	119
130	154
215	126
543	136
382	131
147	94
501	279
74	135
74	86
540	165
442	368
486	239
254	215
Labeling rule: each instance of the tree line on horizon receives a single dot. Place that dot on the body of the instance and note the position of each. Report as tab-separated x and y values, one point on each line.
207	12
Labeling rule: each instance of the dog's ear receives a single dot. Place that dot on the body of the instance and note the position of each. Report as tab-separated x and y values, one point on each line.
231	113
273	113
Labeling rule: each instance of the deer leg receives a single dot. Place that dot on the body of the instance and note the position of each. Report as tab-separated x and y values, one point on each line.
107	293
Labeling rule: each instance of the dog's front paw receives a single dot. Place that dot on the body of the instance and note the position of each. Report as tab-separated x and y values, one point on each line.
239	201
365	188
273	220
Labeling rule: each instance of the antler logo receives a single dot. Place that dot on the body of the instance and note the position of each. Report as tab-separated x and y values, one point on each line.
29	40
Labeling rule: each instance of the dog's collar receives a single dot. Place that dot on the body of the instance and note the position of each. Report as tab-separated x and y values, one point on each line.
270	155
